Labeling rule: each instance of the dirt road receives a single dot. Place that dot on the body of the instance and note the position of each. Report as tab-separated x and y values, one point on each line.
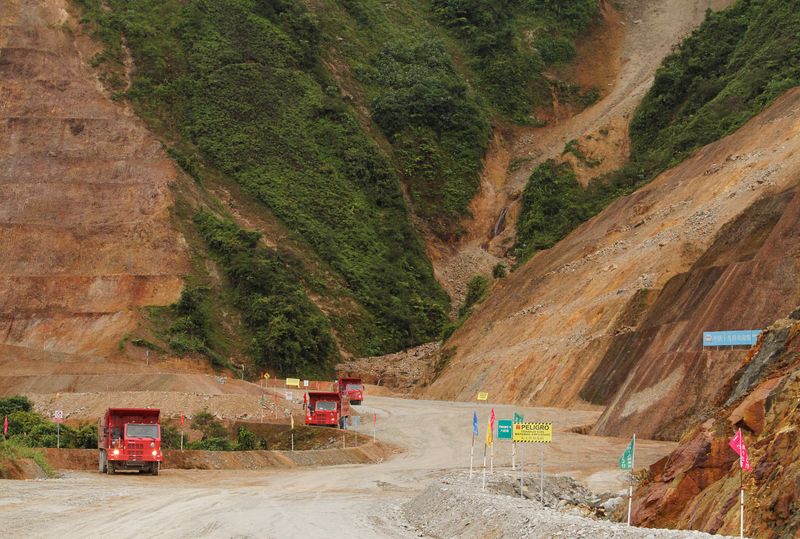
312	502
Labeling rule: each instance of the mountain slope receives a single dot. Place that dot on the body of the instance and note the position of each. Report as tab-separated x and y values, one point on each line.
85	226
544	331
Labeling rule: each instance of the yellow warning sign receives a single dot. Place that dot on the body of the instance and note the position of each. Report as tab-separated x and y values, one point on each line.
533	432
483	396
293	382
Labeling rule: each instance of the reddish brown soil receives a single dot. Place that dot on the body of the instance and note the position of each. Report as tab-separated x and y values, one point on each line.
85	221
642	280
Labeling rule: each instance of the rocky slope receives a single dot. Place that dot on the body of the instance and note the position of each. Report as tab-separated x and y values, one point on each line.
613	313
697	486
85	216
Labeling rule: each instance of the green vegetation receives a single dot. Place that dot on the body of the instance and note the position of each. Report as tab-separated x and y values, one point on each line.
216	437
727	71
731	68
511	42
438	131
290	334
30	429
13	449
241	85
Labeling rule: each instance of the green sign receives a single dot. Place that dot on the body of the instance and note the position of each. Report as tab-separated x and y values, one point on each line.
626	460
517	418
504	429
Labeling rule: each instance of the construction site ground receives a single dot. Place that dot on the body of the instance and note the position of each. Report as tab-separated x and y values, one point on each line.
315	499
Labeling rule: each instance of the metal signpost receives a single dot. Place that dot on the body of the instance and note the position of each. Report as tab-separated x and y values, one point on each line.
539	432
504	433
58	417
182	421
517	419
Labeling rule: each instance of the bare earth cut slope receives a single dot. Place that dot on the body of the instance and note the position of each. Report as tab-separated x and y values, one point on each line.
85	231
613	313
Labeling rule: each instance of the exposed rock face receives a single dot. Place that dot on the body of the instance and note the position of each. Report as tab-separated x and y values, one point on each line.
613	314
697	486
85	230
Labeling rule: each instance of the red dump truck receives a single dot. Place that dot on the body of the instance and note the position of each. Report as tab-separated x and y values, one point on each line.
327	408
130	439
352	388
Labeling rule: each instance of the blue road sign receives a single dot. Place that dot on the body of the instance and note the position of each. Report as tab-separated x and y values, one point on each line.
746	337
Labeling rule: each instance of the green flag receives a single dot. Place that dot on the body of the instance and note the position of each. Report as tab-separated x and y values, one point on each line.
626	460
517	418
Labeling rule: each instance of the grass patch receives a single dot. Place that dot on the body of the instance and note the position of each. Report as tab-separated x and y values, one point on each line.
13	450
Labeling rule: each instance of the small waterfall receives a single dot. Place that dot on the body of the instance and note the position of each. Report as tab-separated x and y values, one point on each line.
500	224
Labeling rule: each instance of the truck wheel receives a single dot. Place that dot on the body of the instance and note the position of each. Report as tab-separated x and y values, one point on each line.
356	403
154	468
112	468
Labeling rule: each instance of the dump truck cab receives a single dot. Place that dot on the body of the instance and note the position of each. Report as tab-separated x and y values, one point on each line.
130	439
352	389
326	408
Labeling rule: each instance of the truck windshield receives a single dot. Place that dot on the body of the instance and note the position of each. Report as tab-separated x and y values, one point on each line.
141	431
355	387
326	406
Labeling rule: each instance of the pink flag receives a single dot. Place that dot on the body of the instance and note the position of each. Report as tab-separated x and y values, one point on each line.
5	426
491	419
737	444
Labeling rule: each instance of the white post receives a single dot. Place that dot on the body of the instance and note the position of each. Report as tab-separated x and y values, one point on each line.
630	479
741	513
374	426
513	456
741	487
484	467
491	459
541	474
521	471
58	435
471	455
293	441
181	439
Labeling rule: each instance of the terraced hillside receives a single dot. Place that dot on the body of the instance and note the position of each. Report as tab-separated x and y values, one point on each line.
85	231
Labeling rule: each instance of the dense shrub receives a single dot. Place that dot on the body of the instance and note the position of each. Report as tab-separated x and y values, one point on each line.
290	334
735	64
246	440
16	403
509	67
31	429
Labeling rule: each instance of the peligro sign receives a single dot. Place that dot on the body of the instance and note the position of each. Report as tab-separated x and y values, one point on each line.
533	432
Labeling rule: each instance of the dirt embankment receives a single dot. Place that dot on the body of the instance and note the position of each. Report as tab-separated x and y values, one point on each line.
697	485
548	332
85	221
366	453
